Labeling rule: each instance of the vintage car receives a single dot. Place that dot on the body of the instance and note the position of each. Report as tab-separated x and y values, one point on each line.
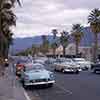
19	66
84	64
36	74
95	68
50	61
67	65
39	61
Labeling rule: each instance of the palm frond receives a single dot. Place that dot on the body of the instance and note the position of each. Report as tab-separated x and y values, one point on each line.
19	2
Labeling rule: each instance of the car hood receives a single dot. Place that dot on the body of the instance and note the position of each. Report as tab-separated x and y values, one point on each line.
84	62
67	63
38	74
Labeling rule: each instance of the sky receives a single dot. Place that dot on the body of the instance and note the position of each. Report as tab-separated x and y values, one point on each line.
38	17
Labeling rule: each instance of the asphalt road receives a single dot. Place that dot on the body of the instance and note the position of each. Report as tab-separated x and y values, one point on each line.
84	86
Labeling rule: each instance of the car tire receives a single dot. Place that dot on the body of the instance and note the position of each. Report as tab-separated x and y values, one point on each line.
95	71
50	85
77	72
55	69
62	70
23	84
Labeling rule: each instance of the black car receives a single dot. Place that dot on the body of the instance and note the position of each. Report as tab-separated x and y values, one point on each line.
95	68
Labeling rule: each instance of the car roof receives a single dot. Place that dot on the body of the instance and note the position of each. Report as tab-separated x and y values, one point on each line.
79	58
33	64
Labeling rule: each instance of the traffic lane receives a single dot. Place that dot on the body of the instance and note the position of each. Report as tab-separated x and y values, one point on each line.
85	86
53	93
72	87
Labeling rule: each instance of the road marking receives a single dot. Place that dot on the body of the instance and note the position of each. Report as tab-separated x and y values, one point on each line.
66	90
26	95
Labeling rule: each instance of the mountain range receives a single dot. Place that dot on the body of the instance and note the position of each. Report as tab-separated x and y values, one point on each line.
20	44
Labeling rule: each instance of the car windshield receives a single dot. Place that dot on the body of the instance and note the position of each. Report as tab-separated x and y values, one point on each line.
34	67
60	60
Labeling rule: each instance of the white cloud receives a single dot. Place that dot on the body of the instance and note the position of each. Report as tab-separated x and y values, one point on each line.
40	16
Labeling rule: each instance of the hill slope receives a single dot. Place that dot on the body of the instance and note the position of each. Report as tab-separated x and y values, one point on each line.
24	43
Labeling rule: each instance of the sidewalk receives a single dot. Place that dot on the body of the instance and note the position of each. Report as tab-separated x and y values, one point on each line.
9	87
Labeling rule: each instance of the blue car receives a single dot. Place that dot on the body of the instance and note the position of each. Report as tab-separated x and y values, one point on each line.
36	74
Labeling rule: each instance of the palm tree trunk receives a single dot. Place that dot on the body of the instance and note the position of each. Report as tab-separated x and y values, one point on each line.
77	46
6	50
54	51
95	47
64	51
0	30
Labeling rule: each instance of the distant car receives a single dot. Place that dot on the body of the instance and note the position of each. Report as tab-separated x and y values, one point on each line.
36	74
67	66
95	68
84	64
50	61
39	61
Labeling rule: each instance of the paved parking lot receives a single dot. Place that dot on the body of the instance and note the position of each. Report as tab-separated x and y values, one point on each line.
84	86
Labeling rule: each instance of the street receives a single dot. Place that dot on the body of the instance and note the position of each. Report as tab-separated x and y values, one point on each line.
82	86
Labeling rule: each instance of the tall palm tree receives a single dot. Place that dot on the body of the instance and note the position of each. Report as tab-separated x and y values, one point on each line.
7	19
45	44
77	35
94	21
64	41
54	44
8	42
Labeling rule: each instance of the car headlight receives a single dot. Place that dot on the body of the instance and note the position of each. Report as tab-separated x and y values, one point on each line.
51	76
26	77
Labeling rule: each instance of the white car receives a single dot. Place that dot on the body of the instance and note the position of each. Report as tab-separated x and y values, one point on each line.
50	61
67	66
39	61
84	64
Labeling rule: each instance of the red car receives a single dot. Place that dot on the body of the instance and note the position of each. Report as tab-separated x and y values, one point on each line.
19	67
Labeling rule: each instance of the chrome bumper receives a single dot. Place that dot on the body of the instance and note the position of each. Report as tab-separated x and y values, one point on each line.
39	83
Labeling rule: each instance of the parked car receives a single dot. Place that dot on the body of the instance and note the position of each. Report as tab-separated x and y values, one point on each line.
95	68
36	74
39	61
19	66
50	60
84	64
67	66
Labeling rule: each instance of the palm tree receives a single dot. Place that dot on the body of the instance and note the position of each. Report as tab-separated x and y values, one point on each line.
45	44
64	41
8	42
7	19
94	21
77	35
54	44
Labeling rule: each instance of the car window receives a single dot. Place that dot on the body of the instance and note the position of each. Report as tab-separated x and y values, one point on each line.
34	67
